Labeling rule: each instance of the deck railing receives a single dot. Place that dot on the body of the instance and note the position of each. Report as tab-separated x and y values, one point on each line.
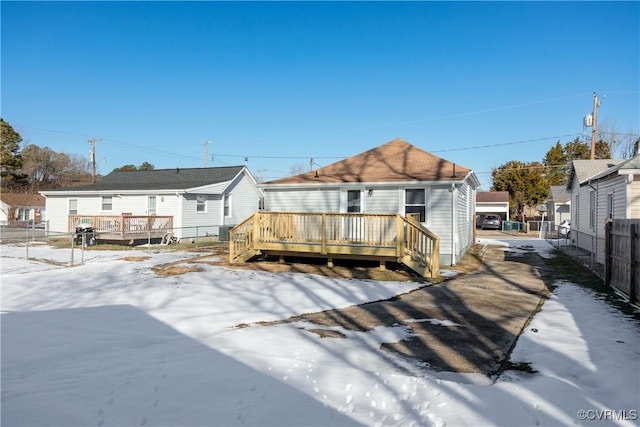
377	236
123	225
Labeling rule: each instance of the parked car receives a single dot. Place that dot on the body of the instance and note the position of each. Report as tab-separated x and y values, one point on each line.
490	221
564	228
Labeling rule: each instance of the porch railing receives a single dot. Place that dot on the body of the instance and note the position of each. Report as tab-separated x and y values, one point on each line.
375	236
123	225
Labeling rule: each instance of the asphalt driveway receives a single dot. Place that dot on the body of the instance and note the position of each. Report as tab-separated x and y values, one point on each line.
468	324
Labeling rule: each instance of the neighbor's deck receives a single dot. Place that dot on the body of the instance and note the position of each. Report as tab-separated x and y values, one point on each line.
124	227
380	237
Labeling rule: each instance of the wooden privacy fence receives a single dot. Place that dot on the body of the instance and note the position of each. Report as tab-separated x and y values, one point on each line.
622	256
123	226
382	237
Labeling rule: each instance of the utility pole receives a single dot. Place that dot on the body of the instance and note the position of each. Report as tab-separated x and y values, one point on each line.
92	157
594	130
206	152
310	164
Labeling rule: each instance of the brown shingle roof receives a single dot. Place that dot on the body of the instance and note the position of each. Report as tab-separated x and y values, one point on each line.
394	161
22	199
492	197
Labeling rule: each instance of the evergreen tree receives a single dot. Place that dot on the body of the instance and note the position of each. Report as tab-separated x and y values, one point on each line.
10	159
525	182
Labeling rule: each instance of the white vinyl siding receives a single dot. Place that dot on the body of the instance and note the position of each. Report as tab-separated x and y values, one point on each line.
441	221
465	222
381	200
244	202
634	198
303	200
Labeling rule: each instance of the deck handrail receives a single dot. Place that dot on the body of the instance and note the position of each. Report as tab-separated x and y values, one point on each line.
406	239
122	224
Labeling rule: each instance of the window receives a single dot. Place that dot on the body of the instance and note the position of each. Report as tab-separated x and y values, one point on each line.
73	206
152	205
201	203
107	203
577	211
415	202
609	206
353	201
592	210
227	205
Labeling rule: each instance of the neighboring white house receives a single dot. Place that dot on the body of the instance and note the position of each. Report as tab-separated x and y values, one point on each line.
601	189
493	202
559	204
22	207
395	177
200	197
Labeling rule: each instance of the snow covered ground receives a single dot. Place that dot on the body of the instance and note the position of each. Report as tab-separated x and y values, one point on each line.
111	343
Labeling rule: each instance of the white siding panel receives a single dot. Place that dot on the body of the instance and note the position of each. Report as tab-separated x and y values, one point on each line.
382	201
198	223
57	213
465	220
440	220
245	199
303	200
634	199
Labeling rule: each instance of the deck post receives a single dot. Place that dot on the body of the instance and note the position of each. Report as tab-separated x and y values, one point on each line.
324	235
383	265
399	236
256	230
330	262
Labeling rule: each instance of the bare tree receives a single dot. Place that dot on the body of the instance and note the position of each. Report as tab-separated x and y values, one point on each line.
621	144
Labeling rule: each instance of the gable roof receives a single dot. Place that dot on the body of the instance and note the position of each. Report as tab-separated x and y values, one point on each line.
629	166
559	194
159	179
23	199
583	170
492	197
395	161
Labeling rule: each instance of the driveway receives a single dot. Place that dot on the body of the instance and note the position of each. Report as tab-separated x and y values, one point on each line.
468	324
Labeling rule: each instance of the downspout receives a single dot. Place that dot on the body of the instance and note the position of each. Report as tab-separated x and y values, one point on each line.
594	258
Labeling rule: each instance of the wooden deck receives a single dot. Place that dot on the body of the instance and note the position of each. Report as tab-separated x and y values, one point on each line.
124	227
380	237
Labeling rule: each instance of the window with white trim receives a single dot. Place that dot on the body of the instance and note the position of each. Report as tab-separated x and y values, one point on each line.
227	205
415	202
201	203
610	206
73	206
107	203
354	201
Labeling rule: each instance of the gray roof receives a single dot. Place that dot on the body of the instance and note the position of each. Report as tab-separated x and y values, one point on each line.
626	165
159	179
583	170
559	194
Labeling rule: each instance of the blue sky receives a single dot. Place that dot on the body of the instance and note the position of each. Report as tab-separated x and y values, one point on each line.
274	84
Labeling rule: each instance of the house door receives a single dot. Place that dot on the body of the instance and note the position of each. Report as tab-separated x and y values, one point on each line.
151	207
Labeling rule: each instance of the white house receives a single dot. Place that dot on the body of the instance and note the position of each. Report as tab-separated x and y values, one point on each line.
559	204
394	178
207	198
601	189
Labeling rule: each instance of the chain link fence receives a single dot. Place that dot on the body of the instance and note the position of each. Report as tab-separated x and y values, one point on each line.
25	244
